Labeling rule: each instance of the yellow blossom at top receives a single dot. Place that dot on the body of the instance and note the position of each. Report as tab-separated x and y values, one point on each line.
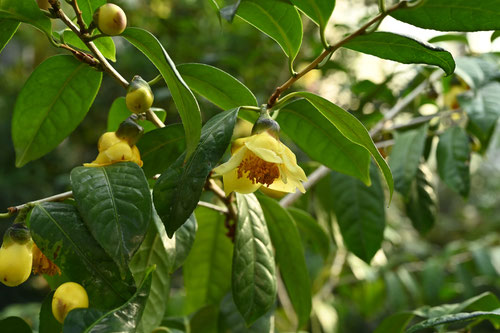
113	149
259	160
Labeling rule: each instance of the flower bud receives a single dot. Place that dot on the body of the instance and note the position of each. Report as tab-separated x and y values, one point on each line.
130	130
68	296
15	255
266	124
110	19
139	95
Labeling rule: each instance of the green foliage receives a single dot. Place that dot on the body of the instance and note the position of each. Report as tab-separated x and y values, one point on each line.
14	325
7	29
25	11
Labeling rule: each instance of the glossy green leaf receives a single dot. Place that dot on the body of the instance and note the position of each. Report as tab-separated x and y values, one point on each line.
160	148
322	141
115	203
495	35
391	46
276	18
405	157
253	272
44	117
318	10
104	44
153	252
119	112
351	128
360	213
25	11
463	318
48	323
311	230
289	257
123	319
231	319
207	270
395	323
61	235
183	97
184	240
7	29
453	157
177	191
14	325
457	15
476	71
461	38
421	205
88	8
217	86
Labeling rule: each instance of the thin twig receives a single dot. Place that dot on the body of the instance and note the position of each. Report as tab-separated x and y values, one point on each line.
152	117
58	197
79	18
213	207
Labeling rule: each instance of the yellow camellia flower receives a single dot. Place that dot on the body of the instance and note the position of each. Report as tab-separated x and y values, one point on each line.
15	262
258	160
113	149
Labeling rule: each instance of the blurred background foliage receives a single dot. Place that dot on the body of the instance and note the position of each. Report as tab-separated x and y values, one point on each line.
460	256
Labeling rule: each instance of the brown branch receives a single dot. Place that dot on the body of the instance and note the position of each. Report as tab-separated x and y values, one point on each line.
79	18
82	56
152	117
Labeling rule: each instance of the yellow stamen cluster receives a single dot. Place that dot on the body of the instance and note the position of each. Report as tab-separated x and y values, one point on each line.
258	170
42	264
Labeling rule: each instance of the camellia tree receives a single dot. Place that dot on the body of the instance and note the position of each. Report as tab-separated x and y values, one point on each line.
196	227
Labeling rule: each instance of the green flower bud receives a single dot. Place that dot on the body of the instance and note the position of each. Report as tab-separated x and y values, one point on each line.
266	123
130	130
139	95
110	19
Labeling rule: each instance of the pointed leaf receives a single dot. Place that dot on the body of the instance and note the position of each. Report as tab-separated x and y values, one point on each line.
253	273
289	257
88	8
178	190
25	11
391	46
7	29
421	206
183	97
44	117
463	318
115	203
318	10
61	235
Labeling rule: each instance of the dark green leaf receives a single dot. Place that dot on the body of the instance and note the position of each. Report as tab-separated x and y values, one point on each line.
461	38
88	7
494	35
160	148
405	157
421	205
115	203
14	325
360	213
232	320
25	11
395	323
44	117
177	191
463	318
7	29
123	319
351	128
456	15
322	141
119	112
184	240
387	45
61	235
289	257
318	10
311	230
253	275
104	44
217	86
205	320
48	323
276	18
183	97
453	156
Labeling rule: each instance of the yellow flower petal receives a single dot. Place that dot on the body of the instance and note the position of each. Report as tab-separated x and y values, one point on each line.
107	140
290	162
233	162
119	152
240	185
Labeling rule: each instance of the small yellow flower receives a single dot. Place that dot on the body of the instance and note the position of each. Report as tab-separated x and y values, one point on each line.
261	160
112	149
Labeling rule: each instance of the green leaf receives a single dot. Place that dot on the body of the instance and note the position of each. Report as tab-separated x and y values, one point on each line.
253	273
205	320
351	128
217	86
289	257
153	252
207	270
44	117
391	46
104	44
421	205
311	230
453	157
123	319
48	323
457	15
184	240
317	10
463	318
405	157
61	235
322	141
494	35
477	71
88	8
119	112
160	148
276	18
177	191
232	321
461	38
183	97
360	213
14	325
395	323
115	203
7	29
25	11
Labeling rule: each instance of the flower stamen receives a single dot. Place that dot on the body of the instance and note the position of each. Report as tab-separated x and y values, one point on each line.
258	170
